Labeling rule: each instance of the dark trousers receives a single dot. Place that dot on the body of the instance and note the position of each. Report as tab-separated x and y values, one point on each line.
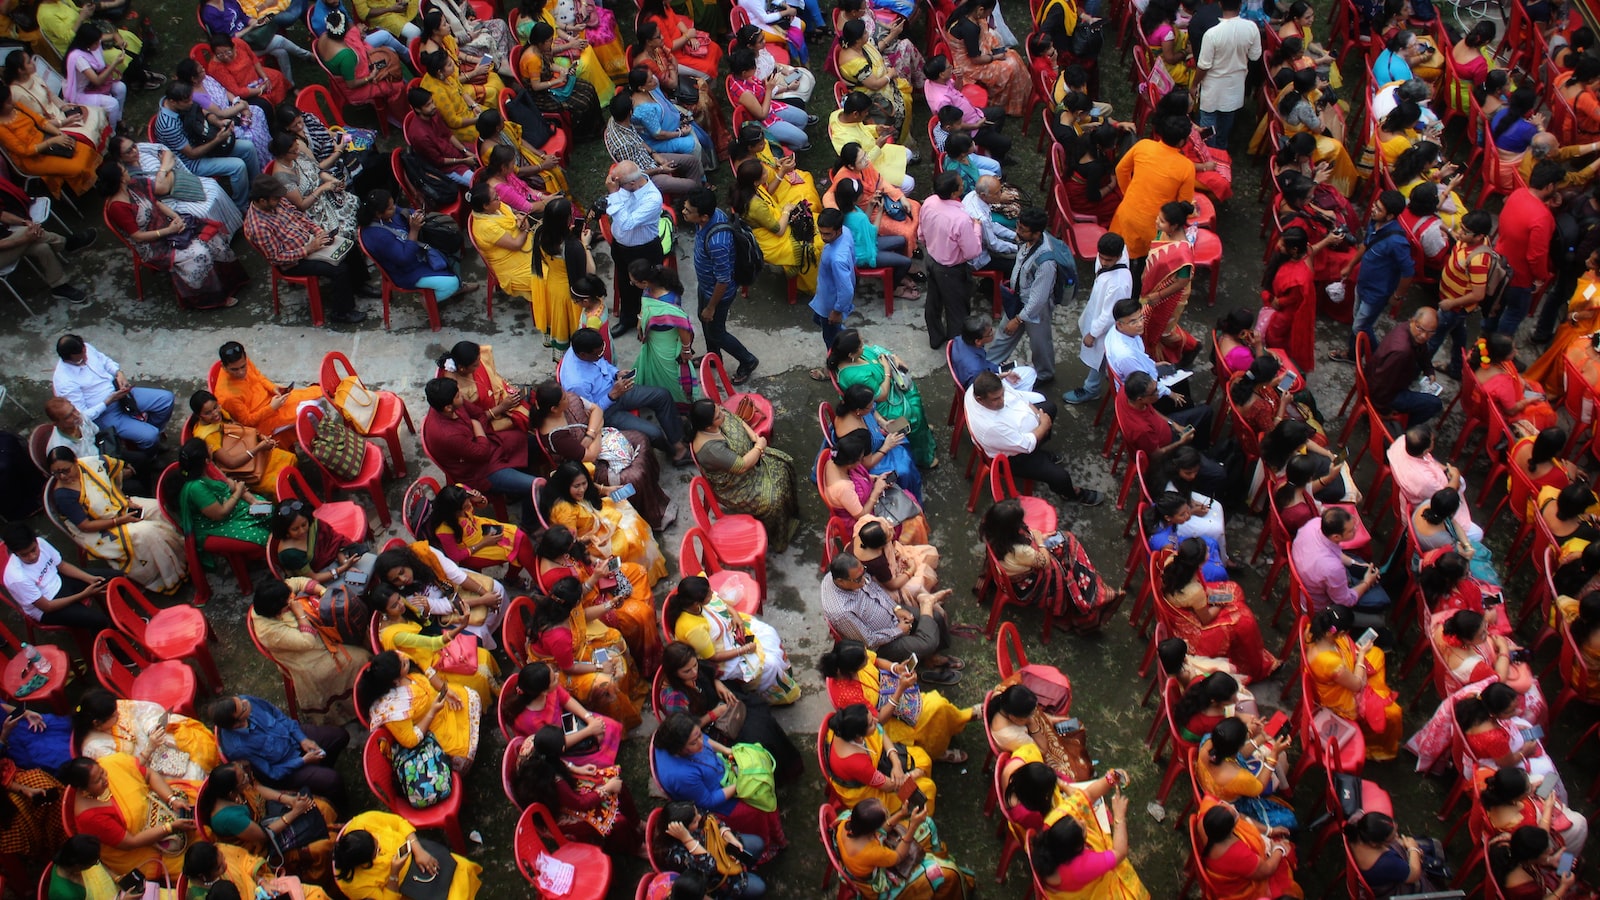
665	432
340	281
718	340
83	615
949	299
1038	466
989	137
929	635
320	778
1417	406
830	330
621	258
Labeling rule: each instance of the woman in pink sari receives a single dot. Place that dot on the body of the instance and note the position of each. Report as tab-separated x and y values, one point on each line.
1289	291
366	74
539	700
1168	273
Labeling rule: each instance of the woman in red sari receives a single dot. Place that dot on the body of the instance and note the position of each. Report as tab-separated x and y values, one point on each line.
690	48
1213	168
1168	274
1211	617
1321	211
1289	290
1243	859
1519	398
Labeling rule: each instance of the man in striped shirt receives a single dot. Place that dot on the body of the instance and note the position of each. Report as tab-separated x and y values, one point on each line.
1462	285
713	269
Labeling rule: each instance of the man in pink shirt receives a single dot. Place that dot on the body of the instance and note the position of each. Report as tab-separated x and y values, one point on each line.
951	238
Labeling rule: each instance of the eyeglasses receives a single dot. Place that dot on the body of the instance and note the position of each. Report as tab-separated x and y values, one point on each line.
291	507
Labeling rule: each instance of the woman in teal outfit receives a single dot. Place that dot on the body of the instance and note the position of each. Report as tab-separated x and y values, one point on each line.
666	330
215	511
854	362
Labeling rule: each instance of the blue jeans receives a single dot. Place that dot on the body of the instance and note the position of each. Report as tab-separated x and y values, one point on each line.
666	432
515	485
891	254
1513	309
1095	380
811	12
1365	317
790	129
1454	324
754	886
1221	125
377	37
443	286
830	330
155	404
1417	406
234	168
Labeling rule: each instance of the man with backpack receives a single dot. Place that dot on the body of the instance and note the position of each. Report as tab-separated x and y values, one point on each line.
719	247
1464	285
1030	298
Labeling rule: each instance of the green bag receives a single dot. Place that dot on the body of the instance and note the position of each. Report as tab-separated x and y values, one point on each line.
337	447
752	774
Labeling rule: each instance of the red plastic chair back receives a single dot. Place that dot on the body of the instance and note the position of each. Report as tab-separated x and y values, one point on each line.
508	768
1010	655
292	701
514	629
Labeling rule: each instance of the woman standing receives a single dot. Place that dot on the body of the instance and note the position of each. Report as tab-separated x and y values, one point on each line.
1289	290
562	256
1165	284
129	533
746	650
746	475
322	670
665	330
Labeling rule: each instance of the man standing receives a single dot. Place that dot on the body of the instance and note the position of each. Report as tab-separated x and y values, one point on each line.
290	240
1226	52
97	386
1007	422
951	239
1398	362
50	590
223	153
1030	302
713	270
1112	282
1152	174
634	204
998	248
835	298
1386	269
586	372
1526	227
1462	286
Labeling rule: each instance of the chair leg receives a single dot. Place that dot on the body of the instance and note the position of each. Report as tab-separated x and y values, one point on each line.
397	457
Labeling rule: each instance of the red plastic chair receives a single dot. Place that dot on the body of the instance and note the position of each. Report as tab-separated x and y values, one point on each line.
508	767
139	262
827	814
415	198
719	388
53	691
1038	513
390	413
1183	752
369	479
514	629
309	282
537	834
737	589
125	670
380	778
177	633
957	417
238	555
740	540
344	516
430	298
291	700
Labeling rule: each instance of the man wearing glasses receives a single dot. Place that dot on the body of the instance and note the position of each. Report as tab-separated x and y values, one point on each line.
1398	363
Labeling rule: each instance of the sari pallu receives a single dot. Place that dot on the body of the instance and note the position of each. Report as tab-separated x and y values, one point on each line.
599	27
1122	882
333	211
191	195
150	551
406	704
891	102
765	491
1232	873
1068	587
921	718
131	811
660	362
843	772
387	93
1217	182
1292	326
1246	792
562	646
711	121
932	875
551	181
1164	336
903	400
204	269
635	617
426	645
175	746
719	627
213	95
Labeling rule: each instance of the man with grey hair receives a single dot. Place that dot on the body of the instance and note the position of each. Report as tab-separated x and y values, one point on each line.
858	608
633	201
999	249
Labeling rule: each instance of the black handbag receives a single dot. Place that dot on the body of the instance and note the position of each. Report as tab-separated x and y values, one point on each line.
1088	39
299	832
418	886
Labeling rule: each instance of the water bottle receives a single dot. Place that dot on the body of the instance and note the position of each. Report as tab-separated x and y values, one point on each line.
36	660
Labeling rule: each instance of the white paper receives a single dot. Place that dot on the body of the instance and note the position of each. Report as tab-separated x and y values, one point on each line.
555	876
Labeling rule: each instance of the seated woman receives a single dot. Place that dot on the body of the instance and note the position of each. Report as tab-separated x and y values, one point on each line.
854	165
890	453
432	585
1573	337
754	198
365	75
1305	110
157	173
898	855
33	92
589	800
376	852
1032	792
472	541
1293	437
1434	524
855	362
729	712
592	658
500	173
1469	654
113	805
714	859
216	512
224	103
780	24
573	429
746	475
1514	127
1191	670
874	249
905	570
236	68
746	650
78	874
259	29
389	235
552	80
230	870
94	77
1049	571
349	153
1494	732
540	702
1570	513
476	68
692	768
1509	799
1320	213
412	707
457	106
318	194
505	240
238	451
862	763
979	55
908	714
471	366
851	492
322	670
863	68
241	811
615	597
1447	587
1540	457
1166	524
1091	182
1244	858
1074	855
432	645
1389	862
693	52
127	532
666	126
1349	681
38	148
1019	725
1524	866
538	171
1582	620
1521	401
1211	616
173	745
1239	764
1425	164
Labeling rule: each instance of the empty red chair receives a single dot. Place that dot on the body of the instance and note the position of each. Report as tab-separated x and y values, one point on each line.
175	633
391	411
369	479
537	834
1040	514
719	388
741	540
131	674
380	778
697	556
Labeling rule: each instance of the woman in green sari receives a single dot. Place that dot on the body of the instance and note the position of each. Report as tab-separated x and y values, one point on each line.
79	874
215	511
854	362
746	476
666	330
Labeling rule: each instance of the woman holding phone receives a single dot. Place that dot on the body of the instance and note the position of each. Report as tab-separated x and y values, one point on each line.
538	701
411	705
1212	617
616	593
472	541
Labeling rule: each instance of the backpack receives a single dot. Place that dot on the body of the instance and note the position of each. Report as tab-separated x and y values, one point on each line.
522	110
1499	276
1066	269
747	256
436	190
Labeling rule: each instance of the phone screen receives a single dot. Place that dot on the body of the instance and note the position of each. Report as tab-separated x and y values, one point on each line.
911	664
1533	733
1565	866
1286	382
1367	639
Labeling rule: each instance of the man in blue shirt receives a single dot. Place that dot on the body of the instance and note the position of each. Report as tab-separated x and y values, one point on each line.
713	269
586	372
969	356
1386	269
237	162
835	298
284	753
634	204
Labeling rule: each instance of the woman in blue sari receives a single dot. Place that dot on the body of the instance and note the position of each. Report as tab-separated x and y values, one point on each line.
1239	763
665	126
1163	526
853	412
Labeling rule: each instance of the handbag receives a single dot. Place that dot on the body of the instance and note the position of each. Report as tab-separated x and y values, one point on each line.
895	209
254	467
1088	39
1347	788
300	831
161	815
420	886
339	449
896	505
422	773
440	232
357	402
460	656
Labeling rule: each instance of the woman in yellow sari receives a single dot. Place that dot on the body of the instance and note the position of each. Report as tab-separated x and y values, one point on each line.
570	43
592	658
411	704
1583	319
1341	672
114	804
1299	105
626	606
1582	622
908	714
128	532
535	168
206	864
609	527
78	873
479	79
239	451
862	67
1074	856
561	254
368	863
755	199
859	748
458	106
899	856
169	744
745	650
792	184
1240	764
504	240
424	641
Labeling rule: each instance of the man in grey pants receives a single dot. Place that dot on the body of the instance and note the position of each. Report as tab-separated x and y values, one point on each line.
858	608
1030	298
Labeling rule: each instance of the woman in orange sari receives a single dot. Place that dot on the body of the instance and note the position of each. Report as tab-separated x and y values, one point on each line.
1521	399
853	163
1582	320
593	660
1168	274
1289	289
689	47
622	596
35	147
1244	860
1342	671
977	55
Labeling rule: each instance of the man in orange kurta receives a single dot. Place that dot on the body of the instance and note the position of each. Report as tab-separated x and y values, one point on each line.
246	395
1153	173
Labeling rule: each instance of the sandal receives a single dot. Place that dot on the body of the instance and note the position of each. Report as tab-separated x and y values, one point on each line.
955	757
953	663
1341	356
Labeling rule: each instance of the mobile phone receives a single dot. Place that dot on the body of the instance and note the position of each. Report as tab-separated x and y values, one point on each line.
16	712
1069	726
897	426
1219	598
1006	367
136	512
1493	600
628	375
911	664
614	564
133	883
487	60
1055	540
1532	733
1521	655
601	656
290	386
1546	788
624	492
1564	868
260	509
492	530
1229	711
1286	382
1279	726
1367	639
569	723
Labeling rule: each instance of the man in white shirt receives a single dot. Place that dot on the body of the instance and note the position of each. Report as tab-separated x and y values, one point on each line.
1225	56
634	204
70	428
1008	422
1125	353
96	385
1113	281
50	590
999	242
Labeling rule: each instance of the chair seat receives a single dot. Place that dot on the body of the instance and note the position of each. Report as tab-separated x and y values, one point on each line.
739	589
977	94
740	540
434	817
593	875
387	415
344	516
1039	514
371	470
1375	799
1205	210
1207	247
170	684
60	667
763	408
557	145
175	633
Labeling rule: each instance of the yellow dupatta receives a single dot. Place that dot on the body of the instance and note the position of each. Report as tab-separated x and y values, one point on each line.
102	499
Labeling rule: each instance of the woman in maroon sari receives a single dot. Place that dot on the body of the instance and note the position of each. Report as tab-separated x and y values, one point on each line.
1212	617
1289	291
571	428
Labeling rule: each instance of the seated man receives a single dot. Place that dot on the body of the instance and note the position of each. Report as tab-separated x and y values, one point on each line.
999	242
246	395
1145	428
672	173
431	137
586	372
463	443
97	386
25	237
1547	146
1399	362
969	356
51	590
75	432
1007	422
1125	355
858	608
284	753
1332	576
290	240
1418	475
204	149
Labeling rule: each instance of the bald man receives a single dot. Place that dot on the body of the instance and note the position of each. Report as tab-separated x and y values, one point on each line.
999	242
1399	361
633	202
1547	146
